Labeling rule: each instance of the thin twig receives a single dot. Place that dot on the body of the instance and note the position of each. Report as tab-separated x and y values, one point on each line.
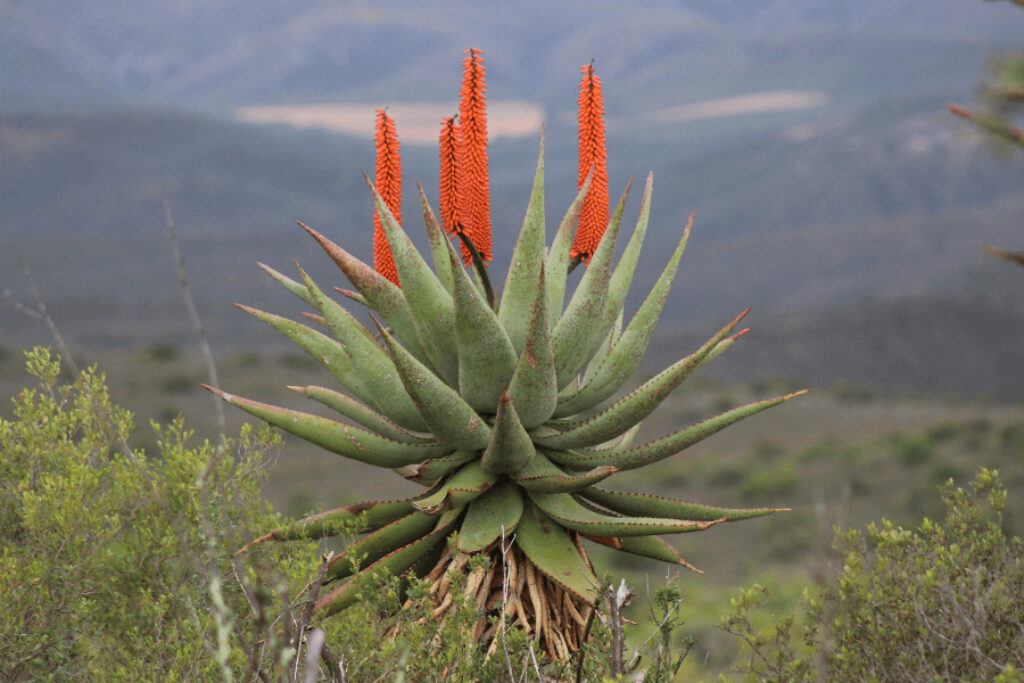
313	650
193	314
536	667
20	307
40	312
307	614
252	655
505	569
617	601
334	667
65	352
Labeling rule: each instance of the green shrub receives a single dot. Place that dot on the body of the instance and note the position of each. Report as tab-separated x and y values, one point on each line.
943	432
768	482
162	352
179	383
108	556
942	602
1011	436
913	450
846	391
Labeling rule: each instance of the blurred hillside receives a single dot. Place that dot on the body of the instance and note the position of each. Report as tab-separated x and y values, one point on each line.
229	52
851	222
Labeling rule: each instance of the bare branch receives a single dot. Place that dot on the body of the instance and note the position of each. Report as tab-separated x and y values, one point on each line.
618	599
11	302
40	312
313	649
44	315
193	314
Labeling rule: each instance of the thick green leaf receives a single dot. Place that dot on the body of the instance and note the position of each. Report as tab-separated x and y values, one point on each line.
510	447
393	564
373	514
723	345
382	295
492	516
353	296
534	389
654	547
622	277
597	361
432	308
438	241
486	357
634	407
381	542
451	419
624	356
582	327
543	476
380	386
364	415
657	506
327	351
351	442
668	445
619	443
434	469
556	265
296	288
358	340
568	512
423	566
463	486
553	552
527	260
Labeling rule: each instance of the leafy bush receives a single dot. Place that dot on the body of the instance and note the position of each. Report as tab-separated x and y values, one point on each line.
942	602
912	449
108	555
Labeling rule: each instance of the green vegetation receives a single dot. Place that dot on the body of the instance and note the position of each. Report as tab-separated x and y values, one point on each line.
108	555
944	601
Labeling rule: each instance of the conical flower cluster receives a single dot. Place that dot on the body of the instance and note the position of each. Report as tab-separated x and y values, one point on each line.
389	184
474	179
495	410
593	158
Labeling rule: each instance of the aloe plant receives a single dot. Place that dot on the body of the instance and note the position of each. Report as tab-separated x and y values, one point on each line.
491	406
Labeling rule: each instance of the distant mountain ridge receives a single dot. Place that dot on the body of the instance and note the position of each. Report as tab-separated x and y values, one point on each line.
231	52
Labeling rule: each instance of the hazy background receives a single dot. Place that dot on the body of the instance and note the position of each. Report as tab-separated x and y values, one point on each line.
833	193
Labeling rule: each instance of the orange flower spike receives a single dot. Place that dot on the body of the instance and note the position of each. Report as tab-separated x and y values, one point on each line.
388	179
449	187
592	152
473	181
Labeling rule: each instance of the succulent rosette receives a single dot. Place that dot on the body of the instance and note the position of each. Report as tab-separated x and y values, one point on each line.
508	409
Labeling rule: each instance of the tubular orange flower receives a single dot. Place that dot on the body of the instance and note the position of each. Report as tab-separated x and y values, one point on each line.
592	152
448	185
389	184
473	181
